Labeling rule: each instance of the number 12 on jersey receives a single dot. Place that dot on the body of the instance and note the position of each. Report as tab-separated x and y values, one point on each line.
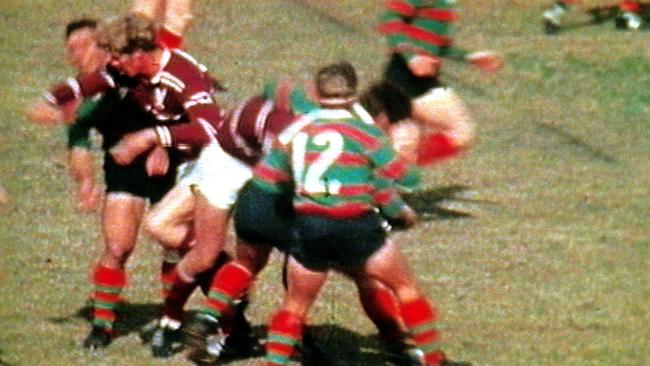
309	174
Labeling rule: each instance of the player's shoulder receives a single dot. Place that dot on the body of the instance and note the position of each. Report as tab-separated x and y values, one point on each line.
180	70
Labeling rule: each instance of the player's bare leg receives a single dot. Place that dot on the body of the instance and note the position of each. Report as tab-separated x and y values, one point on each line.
121	217
170	220
389	267
287	324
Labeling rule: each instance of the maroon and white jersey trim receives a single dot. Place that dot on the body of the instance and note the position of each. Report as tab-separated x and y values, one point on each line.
233	130
201	97
164	136
260	121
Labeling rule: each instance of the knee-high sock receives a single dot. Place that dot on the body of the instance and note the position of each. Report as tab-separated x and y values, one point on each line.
230	283
108	284
180	291
419	316
167	276
285	331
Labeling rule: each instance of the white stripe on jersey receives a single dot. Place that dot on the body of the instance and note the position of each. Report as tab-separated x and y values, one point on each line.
164	136
260	121
208	128
191	59
172	81
76	88
50	98
201	97
292	130
236	138
108	78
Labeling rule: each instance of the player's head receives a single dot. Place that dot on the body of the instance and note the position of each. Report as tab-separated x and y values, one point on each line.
81	45
129	39
336	84
386	103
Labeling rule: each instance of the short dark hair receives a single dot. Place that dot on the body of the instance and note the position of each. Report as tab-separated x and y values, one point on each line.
338	80
386	97
79	24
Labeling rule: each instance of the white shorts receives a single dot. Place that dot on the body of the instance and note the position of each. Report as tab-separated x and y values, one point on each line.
217	175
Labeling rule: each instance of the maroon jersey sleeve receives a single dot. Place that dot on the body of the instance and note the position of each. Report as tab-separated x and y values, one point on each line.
192	86
82	87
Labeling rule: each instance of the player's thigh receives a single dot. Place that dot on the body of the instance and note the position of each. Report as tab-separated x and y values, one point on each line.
442	110
121	218
176	208
303	286
389	266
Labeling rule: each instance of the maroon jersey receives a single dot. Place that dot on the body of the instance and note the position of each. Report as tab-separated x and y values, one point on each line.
180	94
245	134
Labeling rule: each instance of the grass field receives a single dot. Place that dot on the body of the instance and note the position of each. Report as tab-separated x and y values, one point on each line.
552	268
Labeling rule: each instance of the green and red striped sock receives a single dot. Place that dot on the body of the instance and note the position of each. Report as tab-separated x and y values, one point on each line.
230	282
109	283
419	316
285	331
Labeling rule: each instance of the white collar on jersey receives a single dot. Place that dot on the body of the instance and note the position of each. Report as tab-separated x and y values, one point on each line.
317	114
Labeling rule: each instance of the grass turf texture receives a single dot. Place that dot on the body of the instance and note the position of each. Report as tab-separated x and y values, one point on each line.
551	269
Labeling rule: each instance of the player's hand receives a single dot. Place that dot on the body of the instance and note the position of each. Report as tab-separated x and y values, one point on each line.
132	145
425	65
157	162
44	113
488	62
407	219
89	195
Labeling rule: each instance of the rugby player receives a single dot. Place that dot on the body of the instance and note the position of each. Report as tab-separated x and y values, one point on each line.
245	136
628	15
170	99
336	164
418	36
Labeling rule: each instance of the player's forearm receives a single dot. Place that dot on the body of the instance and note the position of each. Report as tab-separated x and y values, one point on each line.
81	164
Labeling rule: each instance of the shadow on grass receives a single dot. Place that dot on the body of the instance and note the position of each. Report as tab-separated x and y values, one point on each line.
131	317
429	204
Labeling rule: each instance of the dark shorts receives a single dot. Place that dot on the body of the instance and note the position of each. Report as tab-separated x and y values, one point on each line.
133	178
398	73
263	218
327	242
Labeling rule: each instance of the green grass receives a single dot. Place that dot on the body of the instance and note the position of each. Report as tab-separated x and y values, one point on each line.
552	268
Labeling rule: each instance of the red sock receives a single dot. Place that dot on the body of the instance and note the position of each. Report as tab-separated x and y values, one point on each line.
108	283
178	295
382	308
285	331
229	283
435	147
630	6
419	317
167	276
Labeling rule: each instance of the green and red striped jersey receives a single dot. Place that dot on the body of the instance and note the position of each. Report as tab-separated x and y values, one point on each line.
338	165
418	27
